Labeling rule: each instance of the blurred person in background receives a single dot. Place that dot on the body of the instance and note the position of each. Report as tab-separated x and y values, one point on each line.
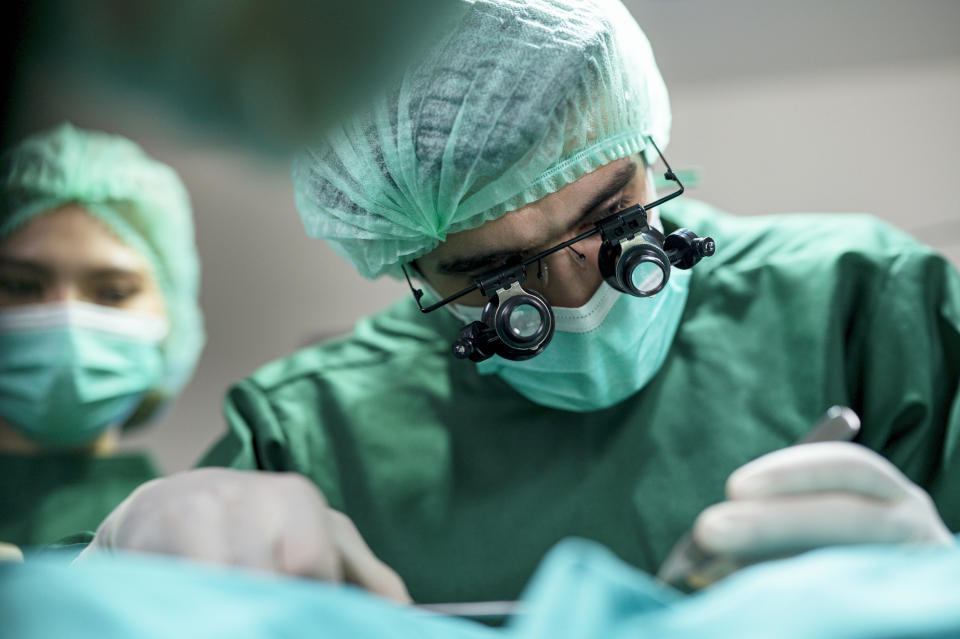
100	325
268	76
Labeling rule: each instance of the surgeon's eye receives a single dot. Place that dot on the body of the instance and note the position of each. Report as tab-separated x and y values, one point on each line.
599	214
113	287
116	294
20	289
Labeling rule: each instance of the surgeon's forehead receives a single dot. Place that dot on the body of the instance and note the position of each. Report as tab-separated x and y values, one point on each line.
540	222
70	238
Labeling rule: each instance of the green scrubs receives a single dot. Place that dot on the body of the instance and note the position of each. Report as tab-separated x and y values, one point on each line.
461	484
46	498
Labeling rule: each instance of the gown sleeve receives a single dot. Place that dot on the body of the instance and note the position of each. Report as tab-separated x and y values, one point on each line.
909	375
278	431
249	420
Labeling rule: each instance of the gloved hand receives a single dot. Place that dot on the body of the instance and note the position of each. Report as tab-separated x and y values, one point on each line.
814	495
276	522
10	553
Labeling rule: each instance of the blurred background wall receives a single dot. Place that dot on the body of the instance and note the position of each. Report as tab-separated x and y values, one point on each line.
845	106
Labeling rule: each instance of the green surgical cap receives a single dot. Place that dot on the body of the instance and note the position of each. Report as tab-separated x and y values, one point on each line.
518	100
141	200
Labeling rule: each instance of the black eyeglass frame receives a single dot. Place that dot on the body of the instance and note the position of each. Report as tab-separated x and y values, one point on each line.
619	224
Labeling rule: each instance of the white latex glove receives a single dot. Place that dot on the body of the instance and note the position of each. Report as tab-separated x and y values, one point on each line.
10	553
814	495
276	522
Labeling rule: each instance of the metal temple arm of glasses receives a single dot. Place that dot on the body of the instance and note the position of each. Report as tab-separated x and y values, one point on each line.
670	175
418	293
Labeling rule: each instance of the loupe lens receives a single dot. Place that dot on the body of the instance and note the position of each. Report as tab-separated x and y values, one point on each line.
524	321
647	277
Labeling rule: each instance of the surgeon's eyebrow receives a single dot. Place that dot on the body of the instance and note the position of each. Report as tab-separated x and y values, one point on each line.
33	268
41	269
465	265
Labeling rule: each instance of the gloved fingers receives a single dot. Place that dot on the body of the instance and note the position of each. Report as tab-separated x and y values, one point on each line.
85	553
308	552
758	528
105	538
304	544
193	525
821	467
10	553
361	566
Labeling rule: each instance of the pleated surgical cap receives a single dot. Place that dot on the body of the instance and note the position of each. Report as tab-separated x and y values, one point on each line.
140	199
519	99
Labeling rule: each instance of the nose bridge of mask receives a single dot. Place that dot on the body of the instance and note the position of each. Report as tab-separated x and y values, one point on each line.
586	318
581	319
134	325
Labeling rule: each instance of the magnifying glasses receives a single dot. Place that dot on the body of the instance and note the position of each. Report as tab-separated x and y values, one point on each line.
517	323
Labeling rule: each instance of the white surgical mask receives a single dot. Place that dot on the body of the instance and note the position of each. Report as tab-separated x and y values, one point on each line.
69	370
602	352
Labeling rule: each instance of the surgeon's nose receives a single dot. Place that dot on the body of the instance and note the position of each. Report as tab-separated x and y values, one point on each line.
63	291
570	277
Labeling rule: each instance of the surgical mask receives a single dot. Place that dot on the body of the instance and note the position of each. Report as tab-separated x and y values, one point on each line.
68	371
602	352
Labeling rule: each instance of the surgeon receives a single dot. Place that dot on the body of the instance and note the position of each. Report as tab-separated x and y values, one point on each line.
100	326
583	353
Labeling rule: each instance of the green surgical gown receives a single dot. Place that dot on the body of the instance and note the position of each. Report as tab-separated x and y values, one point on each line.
461	484
46	498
